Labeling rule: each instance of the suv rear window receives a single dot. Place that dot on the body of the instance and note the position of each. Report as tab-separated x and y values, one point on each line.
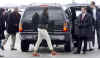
55	13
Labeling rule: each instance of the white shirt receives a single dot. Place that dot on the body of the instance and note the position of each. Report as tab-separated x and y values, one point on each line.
94	13
83	15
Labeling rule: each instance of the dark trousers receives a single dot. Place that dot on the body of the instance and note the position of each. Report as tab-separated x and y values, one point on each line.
98	35
0	43
80	40
93	38
75	38
0	40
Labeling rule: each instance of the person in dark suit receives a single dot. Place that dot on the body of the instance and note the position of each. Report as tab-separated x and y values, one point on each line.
35	21
12	25
84	23
1	28
95	12
3	18
91	40
0	35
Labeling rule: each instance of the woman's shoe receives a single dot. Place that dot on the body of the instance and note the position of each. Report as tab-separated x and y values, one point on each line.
36	54
53	53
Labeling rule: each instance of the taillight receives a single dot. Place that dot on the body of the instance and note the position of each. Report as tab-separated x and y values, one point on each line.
65	28
20	28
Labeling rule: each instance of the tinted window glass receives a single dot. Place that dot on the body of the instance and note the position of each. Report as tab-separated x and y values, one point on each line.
55	13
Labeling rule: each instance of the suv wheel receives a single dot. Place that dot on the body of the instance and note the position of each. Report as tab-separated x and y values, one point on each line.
24	45
68	46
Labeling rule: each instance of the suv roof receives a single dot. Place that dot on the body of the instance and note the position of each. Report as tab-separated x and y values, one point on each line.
45	4
75	4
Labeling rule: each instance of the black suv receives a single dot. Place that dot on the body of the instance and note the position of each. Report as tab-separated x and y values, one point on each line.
58	27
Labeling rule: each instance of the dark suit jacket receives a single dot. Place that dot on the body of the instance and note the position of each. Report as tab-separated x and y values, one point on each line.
97	22
43	22
35	21
3	19
13	22
84	26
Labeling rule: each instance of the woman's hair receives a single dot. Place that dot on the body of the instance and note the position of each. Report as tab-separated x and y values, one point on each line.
45	12
92	2
35	13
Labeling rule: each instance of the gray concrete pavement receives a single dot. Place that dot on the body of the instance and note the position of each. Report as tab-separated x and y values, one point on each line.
44	52
19	54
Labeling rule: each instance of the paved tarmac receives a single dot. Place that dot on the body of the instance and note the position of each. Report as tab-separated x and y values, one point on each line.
44	52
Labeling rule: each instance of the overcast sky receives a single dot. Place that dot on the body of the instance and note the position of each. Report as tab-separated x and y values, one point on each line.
26	2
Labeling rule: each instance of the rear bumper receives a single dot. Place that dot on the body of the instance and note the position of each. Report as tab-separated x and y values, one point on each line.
51	33
55	36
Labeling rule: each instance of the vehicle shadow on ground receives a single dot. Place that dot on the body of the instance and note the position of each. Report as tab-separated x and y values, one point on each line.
46	50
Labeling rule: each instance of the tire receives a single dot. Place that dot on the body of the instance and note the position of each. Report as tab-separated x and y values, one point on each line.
68	42
24	45
67	47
